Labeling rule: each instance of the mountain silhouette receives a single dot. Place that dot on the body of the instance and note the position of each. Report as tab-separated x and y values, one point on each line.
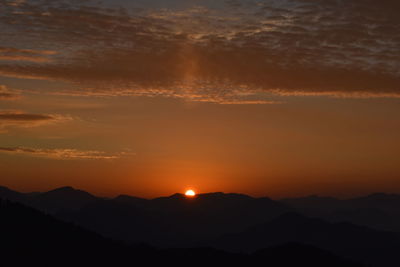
31	238
296	254
345	239
9	194
379	210
130	200
378	200
175	220
64	198
232	222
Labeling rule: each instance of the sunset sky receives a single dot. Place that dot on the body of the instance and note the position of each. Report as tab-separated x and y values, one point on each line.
151	97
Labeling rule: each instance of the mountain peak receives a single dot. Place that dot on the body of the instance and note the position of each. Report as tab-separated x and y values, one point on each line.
68	190
63	198
9	194
4	188
64	189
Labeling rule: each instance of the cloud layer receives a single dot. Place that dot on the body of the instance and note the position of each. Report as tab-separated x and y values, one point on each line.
233	52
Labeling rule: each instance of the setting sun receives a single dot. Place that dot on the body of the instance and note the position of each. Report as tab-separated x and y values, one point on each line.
190	193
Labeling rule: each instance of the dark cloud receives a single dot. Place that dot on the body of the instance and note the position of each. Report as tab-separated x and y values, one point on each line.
27	120
7	116
221	55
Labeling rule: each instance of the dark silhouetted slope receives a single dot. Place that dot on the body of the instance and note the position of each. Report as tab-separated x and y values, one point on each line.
31	238
6	193
345	239
245	223
175	220
295	254
64	198
379	211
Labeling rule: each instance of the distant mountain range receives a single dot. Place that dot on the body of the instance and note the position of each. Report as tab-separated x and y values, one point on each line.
348	240
64	198
379	210
233	222
32	238
167	221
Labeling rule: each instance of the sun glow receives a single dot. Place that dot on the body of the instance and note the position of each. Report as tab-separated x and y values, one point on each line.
190	193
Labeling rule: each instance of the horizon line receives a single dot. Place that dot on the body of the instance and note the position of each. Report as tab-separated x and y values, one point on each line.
202	194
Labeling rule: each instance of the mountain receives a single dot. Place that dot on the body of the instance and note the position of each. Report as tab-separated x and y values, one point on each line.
7	193
175	220
379	210
387	202
296	254
383	201
165	221
64	198
344	239
314	203
233	222
131	200
31	238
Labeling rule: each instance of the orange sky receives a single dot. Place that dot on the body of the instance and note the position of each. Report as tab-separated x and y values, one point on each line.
276	99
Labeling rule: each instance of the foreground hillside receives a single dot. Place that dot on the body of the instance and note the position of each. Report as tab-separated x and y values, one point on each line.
31	238
229	222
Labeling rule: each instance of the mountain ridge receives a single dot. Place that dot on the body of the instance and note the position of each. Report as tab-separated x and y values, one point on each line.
45	241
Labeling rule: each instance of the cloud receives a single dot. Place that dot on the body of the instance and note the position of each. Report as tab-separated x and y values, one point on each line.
8	94
15	54
64	154
25	117
28	120
227	54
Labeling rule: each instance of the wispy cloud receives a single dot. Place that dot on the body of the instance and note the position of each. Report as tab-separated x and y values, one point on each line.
15	54
64	154
27	120
8	94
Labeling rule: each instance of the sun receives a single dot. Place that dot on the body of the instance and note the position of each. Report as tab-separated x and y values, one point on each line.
190	193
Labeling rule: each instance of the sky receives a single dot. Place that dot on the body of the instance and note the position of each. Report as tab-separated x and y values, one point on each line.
148	98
